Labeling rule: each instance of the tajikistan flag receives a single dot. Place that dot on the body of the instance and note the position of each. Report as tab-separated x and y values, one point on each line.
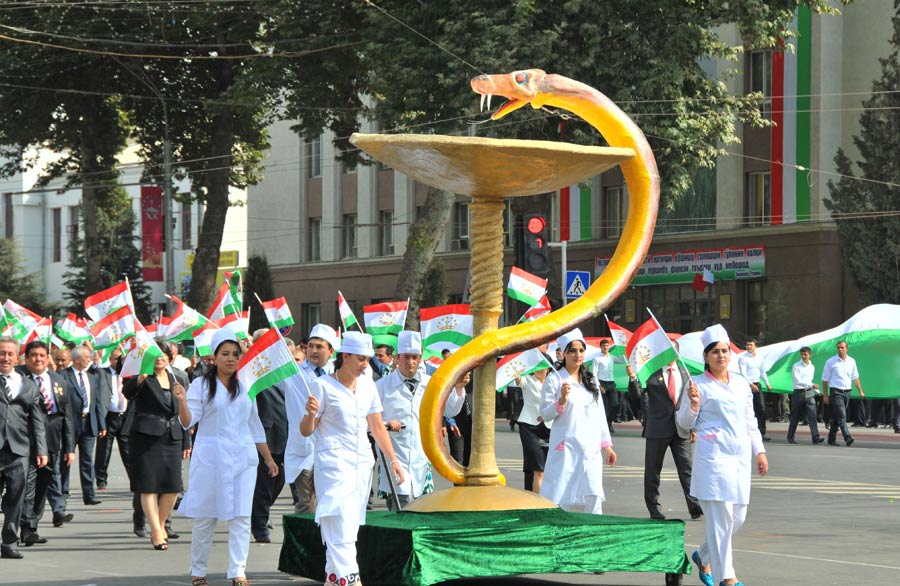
278	313
575	213
267	363
101	304
649	349
620	337
203	338
183	322
238	323
511	367
24	319
73	329
224	304
445	327
540	309
42	331
385	318
113	329
348	320
526	287
142	353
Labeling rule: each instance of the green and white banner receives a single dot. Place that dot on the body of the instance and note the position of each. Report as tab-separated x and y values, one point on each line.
679	267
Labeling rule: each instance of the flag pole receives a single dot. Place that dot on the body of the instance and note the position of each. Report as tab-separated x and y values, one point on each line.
271	325
677	353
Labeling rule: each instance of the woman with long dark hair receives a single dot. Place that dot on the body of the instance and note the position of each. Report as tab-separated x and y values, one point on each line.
340	408
157	444
579	439
223	465
720	411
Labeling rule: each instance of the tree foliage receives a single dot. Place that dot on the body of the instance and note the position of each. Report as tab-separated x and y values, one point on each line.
257	282
864	205
119	256
15	284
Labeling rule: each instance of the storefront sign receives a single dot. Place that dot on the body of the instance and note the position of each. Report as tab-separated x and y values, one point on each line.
678	268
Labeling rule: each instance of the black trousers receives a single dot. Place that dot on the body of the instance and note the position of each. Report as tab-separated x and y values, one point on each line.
759	410
654	455
264	495
13	469
800	405
41	485
114	424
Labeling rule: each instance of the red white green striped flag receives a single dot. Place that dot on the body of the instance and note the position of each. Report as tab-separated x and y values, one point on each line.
10	326
575	213
278	313
25	319
385	318
183	322
203	338
238	323
791	117
526	287
101	304
113	329
267	363
511	367
347	318
649	349
73	329
142	353
445	327
620	337
42	331
539	309
224	304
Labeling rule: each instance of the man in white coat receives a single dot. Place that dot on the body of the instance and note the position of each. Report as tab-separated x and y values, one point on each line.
300	451
401	394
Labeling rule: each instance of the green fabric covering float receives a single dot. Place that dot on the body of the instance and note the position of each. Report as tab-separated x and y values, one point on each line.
420	549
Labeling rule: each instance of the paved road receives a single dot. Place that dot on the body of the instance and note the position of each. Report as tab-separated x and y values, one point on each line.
825	516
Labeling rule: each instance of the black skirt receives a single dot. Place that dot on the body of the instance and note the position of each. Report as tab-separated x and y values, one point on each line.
155	463
534	446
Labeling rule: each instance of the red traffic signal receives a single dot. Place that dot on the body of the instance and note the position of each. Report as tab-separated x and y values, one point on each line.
536	224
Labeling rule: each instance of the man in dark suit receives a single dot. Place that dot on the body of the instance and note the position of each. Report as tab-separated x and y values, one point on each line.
115	420
88	409
273	415
664	391
21	422
43	484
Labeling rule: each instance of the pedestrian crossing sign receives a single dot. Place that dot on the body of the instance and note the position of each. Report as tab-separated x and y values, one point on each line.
577	283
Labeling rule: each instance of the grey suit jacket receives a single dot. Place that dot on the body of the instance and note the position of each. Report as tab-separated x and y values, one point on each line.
22	421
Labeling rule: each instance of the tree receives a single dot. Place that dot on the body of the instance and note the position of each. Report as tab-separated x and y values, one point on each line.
257	282
864	206
118	257
22	288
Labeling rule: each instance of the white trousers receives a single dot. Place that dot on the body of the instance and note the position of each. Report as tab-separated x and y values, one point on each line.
238	545
723	521
340	556
593	504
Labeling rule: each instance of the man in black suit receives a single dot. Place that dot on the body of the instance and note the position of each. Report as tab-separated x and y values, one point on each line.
115	421
88	409
665	389
21	422
43	484
273	415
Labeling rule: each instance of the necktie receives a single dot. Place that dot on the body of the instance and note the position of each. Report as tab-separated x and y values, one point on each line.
48	398
82	392
671	385
319	371
4	386
411	384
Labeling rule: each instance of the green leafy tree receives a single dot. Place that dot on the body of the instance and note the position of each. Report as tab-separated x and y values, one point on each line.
119	257
257	282
15	284
864	205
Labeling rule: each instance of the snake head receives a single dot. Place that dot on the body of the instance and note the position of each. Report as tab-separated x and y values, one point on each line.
519	87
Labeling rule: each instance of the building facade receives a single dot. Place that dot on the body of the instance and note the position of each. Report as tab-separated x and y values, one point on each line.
767	234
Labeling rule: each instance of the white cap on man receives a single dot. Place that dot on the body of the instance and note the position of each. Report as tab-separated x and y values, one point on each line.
325	332
409	342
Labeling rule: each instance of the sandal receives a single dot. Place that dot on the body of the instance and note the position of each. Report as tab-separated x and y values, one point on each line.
199	582
240	582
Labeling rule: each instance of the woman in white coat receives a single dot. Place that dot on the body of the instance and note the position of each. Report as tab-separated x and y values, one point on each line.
223	465
720	411
579	438
340	409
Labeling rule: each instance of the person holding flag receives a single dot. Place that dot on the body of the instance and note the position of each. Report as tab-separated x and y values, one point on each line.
720	411
339	410
579	440
223	465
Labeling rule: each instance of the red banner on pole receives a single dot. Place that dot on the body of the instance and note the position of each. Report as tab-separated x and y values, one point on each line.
152	232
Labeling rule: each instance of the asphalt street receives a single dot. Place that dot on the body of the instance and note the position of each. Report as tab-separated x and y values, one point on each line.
824	516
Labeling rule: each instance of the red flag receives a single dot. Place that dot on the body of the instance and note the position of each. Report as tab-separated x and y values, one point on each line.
699	284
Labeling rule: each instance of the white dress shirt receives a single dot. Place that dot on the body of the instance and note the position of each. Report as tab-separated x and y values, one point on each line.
751	366
14	383
840	374
803	375
603	367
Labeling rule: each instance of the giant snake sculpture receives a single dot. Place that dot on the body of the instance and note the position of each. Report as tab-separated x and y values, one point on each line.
539	89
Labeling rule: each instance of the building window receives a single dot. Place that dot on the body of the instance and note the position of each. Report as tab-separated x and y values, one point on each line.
186	225
759	199
310	315
460	239
8	215
761	72
72	232
56	214
386	233
757	306
349	236
314	168
315	239
508	222
613	216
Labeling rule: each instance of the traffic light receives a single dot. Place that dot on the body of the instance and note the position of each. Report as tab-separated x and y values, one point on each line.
532	245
